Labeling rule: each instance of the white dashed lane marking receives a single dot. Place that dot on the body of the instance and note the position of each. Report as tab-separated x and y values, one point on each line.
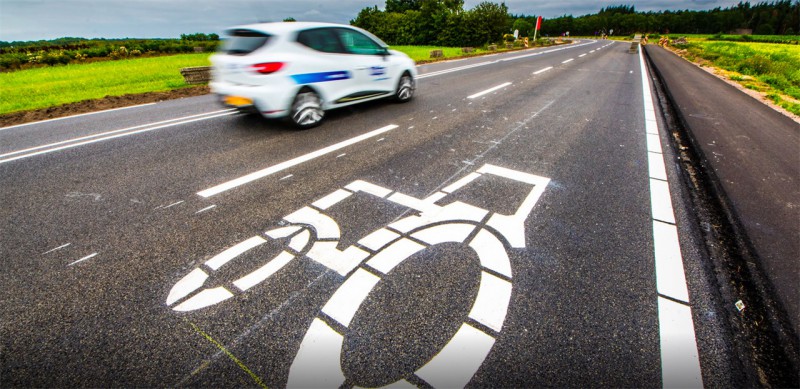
206	209
291	163
90	256
490	90
56	249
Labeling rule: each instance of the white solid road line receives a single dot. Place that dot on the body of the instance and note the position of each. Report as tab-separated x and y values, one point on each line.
107	133
680	362
291	163
490	90
74	116
116	135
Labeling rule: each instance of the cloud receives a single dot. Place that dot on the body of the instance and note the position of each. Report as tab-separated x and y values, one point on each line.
40	19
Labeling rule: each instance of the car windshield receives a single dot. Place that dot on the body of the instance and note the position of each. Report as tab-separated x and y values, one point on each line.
243	42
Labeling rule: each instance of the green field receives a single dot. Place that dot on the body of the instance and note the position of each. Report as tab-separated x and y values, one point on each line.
785	39
55	85
766	67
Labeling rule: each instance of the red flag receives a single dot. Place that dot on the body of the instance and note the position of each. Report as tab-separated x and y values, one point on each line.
539	23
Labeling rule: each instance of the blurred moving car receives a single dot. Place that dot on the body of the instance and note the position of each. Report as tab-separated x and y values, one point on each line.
299	70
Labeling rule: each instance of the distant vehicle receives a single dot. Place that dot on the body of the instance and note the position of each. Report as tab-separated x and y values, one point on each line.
299	70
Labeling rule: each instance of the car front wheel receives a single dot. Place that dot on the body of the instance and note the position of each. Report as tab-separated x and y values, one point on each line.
307	110
405	89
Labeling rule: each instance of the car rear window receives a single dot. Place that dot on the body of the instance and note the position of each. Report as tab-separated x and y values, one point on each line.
243	42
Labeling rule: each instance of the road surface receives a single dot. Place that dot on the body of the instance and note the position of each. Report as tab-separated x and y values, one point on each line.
519	223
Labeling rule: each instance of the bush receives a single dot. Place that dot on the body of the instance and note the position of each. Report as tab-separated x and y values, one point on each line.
755	65
12	61
776	80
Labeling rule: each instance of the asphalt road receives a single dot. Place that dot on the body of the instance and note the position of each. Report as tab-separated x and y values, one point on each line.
526	236
754	152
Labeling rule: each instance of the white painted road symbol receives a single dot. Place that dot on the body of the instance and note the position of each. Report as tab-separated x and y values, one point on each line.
315	235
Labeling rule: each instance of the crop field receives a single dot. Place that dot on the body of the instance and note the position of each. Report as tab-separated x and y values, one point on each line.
55	85
766	67
784	39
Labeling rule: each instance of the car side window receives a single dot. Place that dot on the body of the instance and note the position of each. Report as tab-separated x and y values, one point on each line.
355	42
321	39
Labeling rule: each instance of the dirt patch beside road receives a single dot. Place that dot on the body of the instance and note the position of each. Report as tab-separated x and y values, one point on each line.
108	102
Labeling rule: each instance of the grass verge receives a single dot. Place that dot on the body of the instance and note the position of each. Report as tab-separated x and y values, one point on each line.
422	54
772	69
52	86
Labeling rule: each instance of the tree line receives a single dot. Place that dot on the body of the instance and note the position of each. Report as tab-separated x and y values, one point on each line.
447	23
764	18
19	54
436	22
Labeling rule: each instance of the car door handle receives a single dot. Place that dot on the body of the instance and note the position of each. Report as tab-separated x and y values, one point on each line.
363	68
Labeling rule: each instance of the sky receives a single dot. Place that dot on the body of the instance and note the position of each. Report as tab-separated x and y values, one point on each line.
25	20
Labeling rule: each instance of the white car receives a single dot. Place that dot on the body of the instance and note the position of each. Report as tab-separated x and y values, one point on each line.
299	70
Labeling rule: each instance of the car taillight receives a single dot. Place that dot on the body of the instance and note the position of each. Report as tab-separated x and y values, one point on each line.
268	67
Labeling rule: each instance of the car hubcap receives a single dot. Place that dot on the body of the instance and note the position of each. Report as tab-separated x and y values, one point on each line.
307	109
405	90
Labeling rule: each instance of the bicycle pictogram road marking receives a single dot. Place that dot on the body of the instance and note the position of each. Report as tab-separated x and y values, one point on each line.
311	234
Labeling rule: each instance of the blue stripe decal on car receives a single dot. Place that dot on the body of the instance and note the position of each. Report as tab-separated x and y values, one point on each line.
310	78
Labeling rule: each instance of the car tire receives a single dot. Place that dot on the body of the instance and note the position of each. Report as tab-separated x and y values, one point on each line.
405	89
306	110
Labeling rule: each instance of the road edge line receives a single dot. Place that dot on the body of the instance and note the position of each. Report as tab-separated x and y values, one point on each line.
680	360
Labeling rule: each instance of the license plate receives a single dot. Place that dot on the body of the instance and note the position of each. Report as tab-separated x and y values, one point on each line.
237	101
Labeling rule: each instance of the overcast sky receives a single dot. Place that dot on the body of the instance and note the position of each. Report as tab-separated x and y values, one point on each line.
22	20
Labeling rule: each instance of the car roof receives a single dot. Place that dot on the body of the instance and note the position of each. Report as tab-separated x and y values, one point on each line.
281	28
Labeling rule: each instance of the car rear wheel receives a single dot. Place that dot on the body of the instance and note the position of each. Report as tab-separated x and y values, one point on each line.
405	89
307	110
